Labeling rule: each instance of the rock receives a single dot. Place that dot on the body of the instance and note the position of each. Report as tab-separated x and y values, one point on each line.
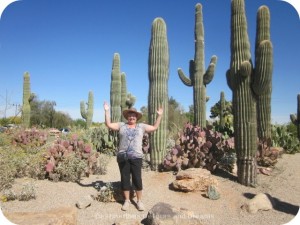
212	192
260	202
84	202
165	214
58	216
193	179
127	222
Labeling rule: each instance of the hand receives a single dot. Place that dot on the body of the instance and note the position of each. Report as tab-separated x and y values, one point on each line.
160	111
106	106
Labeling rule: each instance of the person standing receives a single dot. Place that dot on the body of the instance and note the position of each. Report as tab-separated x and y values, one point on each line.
130	153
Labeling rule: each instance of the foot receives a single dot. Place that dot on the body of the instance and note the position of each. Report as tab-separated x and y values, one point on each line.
125	206
140	206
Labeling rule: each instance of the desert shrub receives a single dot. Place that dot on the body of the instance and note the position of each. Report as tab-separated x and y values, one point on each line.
27	192
100	166
69	168
12	164
8	195
108	193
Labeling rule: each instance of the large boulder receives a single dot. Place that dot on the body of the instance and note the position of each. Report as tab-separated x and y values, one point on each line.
165	214
193	179
260	202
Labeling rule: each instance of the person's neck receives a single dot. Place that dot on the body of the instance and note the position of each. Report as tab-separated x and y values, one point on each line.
131	125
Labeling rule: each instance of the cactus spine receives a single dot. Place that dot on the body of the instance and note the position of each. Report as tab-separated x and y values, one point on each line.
198	77
158	72
87	113
26	109
247	84
296	118
115	90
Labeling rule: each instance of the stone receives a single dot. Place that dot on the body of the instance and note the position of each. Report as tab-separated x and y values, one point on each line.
193	179
260	202
58	216
127	222
165	214
212	193
84	202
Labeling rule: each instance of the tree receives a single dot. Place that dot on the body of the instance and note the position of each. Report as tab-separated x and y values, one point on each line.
215	109
44	115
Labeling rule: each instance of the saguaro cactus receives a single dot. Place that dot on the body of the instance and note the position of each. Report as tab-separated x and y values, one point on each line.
123	93
222	109
246	84
198	77
87	113
263	50
295	118
115	90
158	72
27	98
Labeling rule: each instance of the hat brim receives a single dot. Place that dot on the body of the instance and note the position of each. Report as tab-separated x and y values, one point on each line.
127	111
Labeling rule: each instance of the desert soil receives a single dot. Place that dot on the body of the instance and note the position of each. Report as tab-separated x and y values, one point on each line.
283	185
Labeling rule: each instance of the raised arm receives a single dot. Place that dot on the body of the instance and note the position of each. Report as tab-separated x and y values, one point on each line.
151	128
108	123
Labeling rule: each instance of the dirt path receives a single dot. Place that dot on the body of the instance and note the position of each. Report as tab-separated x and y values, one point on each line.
283	185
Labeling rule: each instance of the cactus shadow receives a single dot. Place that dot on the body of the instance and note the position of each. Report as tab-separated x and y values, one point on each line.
278	204
224	174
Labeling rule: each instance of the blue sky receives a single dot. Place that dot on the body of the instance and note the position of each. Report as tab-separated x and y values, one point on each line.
67	46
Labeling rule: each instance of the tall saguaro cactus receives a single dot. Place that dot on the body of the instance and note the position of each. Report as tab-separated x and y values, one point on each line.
123	93
222	109
263	50
296	118
247	84
87	113
199	78
115	90
158	72
27	98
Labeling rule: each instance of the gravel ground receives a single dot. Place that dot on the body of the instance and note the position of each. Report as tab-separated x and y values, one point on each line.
283	185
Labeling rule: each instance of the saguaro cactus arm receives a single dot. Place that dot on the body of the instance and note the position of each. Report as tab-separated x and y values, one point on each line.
82	110
209	74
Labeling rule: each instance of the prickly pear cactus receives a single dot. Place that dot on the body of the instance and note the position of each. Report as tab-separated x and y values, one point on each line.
87	113
158	89
199	78
247	84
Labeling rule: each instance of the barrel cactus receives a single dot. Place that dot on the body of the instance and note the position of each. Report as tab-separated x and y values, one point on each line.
158	73
199	78
87	113
247	84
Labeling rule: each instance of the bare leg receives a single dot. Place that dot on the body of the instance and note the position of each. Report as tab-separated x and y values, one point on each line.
126	195
139	195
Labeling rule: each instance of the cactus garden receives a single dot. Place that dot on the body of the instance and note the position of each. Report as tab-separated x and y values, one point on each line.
232	154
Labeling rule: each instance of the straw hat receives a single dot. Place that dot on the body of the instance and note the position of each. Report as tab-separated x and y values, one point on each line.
132	110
